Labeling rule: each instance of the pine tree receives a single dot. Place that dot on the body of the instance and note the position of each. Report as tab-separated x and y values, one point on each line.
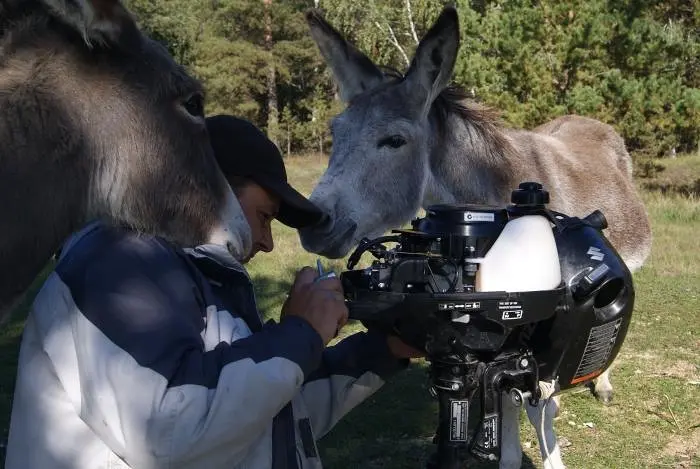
631	63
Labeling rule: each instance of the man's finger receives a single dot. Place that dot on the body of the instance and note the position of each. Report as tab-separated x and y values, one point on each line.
344	318
331	284
337	296
305	275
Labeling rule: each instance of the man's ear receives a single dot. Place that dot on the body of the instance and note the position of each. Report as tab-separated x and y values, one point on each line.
99	22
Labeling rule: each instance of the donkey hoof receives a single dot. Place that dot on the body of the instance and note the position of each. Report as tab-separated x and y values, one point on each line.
605	397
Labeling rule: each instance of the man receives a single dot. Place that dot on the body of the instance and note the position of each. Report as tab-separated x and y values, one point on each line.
140	354
255	170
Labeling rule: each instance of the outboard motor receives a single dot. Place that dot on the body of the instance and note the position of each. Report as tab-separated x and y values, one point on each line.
499	298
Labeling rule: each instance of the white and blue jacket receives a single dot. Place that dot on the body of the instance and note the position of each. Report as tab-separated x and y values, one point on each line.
137	354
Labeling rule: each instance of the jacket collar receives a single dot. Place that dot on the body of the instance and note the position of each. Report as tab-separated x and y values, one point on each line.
217	254
77	236
207	253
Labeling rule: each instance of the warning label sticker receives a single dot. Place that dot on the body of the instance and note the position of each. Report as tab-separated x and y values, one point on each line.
490	432
460	413
510	310
512	314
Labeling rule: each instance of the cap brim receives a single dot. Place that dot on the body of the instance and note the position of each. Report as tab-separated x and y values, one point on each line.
296	211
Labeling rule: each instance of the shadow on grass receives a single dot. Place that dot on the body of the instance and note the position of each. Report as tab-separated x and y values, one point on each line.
270	293
9	352
392	429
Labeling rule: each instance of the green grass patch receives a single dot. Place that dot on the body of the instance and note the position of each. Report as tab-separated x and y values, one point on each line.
679	175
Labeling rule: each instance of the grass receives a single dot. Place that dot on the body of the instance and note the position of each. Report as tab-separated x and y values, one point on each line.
679	175
653	422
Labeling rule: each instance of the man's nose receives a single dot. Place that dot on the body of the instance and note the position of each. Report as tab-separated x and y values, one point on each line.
268	244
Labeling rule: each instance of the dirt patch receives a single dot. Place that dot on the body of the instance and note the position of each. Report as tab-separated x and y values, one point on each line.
646	355
680	369
684	449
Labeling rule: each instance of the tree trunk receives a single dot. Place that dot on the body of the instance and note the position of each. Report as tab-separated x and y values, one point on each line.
289	141
272	113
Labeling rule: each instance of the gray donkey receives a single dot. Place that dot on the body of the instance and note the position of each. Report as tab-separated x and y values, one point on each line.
405	142
98	121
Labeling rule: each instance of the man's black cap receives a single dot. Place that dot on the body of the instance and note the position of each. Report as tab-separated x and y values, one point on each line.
241	149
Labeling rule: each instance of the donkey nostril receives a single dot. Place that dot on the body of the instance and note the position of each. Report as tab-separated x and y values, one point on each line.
324	220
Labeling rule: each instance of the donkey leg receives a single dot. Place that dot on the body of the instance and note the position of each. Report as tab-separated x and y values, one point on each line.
511	451
603	389
542	418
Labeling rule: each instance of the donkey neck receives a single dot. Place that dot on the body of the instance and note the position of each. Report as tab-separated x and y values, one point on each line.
469	162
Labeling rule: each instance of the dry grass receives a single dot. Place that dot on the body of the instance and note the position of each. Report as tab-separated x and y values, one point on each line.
679	175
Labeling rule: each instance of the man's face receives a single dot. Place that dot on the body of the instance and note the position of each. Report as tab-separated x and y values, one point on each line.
259	207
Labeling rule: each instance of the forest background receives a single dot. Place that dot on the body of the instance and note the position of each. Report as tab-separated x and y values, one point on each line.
634	64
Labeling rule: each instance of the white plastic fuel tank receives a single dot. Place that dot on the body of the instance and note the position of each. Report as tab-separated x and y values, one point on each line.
523	258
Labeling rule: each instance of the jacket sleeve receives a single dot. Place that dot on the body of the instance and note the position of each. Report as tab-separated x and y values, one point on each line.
350	372
148	388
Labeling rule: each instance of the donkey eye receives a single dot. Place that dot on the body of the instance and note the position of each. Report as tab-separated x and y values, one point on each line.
194	105
395	141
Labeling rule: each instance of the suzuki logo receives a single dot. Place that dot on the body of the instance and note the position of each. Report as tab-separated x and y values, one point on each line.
595	254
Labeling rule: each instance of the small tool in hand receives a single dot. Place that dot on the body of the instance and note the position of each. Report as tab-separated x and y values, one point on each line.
324	275
321	274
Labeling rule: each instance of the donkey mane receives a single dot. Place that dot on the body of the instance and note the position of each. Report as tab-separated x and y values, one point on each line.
492	153
483	122
454	100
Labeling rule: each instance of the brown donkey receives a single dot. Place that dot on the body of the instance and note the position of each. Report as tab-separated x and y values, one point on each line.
405	142
98	121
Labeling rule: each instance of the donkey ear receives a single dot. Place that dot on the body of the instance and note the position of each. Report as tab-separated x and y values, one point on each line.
431	68
102	22
353	71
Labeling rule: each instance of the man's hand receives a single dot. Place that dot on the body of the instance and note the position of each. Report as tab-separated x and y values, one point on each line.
320	303
400	349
